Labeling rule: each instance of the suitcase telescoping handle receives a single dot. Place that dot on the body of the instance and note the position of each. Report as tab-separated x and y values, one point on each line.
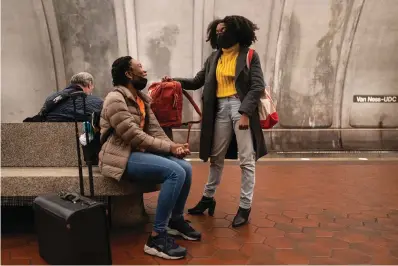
74	96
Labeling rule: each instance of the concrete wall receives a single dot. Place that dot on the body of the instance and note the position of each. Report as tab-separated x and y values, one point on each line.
316	55
27	70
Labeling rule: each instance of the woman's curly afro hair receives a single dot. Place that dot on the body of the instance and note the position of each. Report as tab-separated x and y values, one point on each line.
241	26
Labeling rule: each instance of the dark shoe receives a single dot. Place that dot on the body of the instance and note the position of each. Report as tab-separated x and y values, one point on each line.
182	228
164	246
241	218
204	204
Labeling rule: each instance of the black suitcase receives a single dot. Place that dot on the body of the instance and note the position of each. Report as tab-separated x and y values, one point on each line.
73	229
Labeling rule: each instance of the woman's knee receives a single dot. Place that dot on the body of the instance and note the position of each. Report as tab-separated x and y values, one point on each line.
188	174
187	168
177	173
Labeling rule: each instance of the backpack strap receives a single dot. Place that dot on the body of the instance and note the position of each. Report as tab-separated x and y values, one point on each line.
195	106
48	107
197	109
60	98
106	135
110	130
249	57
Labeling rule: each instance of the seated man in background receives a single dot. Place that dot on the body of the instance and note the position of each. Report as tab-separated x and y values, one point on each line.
58	107
62	111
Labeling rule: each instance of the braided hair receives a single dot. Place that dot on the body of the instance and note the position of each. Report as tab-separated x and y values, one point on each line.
119	68
241	26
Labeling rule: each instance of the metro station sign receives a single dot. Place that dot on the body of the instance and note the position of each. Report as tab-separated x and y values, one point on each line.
375	99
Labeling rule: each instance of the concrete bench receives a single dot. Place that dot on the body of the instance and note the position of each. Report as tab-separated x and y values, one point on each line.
40	158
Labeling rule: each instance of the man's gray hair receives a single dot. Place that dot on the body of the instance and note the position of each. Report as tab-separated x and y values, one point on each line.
83	78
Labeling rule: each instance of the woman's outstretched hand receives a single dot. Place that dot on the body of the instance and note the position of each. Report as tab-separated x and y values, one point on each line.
166	79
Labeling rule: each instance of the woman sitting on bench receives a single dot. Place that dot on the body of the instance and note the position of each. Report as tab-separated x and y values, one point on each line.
138	150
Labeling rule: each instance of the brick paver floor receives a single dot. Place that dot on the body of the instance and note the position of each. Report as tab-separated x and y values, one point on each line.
302	214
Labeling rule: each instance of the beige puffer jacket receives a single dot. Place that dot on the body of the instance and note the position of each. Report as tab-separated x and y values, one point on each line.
121	112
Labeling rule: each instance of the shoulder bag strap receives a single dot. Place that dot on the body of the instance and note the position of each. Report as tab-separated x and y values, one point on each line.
249	57
197	109
110	131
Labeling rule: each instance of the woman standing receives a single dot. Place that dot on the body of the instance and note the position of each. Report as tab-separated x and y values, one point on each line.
230	116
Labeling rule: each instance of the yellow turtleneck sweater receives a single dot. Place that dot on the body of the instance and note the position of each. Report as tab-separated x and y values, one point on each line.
225	72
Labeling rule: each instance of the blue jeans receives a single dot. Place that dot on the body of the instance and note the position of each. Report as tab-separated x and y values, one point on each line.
174	174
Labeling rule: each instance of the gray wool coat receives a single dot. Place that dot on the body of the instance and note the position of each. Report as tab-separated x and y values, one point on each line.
249	85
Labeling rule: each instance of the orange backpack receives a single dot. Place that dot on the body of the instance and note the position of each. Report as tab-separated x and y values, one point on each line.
167	102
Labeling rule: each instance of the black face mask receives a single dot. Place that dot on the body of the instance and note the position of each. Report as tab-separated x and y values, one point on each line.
140	83
226	40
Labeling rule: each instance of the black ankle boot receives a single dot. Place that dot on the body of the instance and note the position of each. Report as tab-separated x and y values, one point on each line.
241	218
204	204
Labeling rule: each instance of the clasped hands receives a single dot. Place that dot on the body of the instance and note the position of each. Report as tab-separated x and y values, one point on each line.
180	150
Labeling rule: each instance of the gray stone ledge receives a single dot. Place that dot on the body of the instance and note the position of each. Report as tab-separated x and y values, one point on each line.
33	181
